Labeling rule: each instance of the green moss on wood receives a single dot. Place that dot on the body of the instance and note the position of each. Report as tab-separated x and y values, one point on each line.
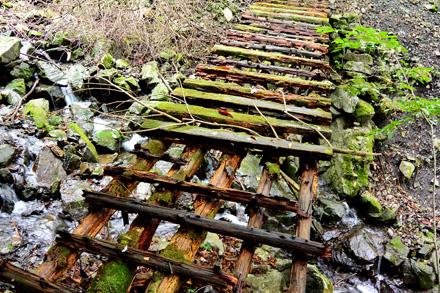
273	169
114	277
174	253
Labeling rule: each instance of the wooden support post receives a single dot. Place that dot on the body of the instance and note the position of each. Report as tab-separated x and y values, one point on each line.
256	221
307	194
60	258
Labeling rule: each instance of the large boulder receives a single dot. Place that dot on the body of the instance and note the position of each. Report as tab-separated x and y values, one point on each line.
344	101
49	171
9	49
348	173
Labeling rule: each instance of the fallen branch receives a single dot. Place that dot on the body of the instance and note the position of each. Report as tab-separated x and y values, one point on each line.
270	125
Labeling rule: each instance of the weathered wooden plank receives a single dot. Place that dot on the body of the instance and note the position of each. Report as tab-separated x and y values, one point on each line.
289	10
314	101
60	258
271	48
235	75
254	122
243	197
230	141
306	28
307	4
28	282
290	16
246	33
187	219
317	116
268	56
307	194
296	6
144	258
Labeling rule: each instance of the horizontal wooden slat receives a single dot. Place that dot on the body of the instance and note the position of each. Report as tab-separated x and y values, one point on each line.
243	197
259	94
289	10
145	258
315	116
229	141
276	239
296	6
290	16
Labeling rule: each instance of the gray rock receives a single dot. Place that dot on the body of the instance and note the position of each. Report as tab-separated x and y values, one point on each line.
9	49
357	67
425	250
150	74
6	176
407	169
107	140
160	93
266	283
396	252
6	154
212	240
364	58
49	170
23	70
11	97
332	210
343	100
364	112
424	274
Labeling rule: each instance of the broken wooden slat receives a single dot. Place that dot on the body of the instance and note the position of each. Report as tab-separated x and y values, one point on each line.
28	282
186	242
230	141
288	10
255	221
273	57
290	16
254	122
60	258
244	33
243	197
144	258
314	101
317	116
276	239
249	64
307	194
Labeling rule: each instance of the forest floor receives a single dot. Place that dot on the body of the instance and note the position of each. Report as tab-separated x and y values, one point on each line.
418	30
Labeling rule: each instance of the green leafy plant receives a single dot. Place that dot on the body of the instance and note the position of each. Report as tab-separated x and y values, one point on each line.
206	247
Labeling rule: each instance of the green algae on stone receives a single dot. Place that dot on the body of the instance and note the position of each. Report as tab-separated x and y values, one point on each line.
396	252
17	85
108	139
23	70
107	61
38	109
364	111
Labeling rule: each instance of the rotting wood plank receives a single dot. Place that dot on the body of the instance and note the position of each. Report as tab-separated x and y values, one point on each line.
307	194
288	10
28	282
305	28
235	75
294	6
149	259
254	122
60	258
255	221
230	141
314	101
196	221
272	68
271	48
317	116
234	195
245	33
143	228
290	16
306	4
268	56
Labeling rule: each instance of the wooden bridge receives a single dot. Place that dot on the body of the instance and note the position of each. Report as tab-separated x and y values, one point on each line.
265	90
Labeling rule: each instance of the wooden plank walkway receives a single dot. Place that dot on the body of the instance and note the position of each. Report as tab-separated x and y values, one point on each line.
267	80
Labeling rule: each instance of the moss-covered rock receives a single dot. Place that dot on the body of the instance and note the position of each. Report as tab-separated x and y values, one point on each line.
407	169
17	85
9	49
332	210
121	64
364	112
60	39
344	101
317	282
89	145
396	252
348	173
107	61
150	74
108	140
39	110
424	274
23	70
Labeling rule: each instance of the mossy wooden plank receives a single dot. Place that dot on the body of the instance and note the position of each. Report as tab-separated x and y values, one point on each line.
287	23
258	94
318	116
254	122
290	16
294	6
236	75
290	10
227	140
308	4
269	56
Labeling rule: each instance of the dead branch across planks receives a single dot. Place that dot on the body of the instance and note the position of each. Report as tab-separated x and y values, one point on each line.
243	197
273	57
145	258
165	157
235	75
214	100
253	122
282	240
314	101
228	141
29	282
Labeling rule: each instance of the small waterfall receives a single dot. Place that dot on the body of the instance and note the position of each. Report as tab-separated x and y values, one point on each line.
69	96
350	218
378	275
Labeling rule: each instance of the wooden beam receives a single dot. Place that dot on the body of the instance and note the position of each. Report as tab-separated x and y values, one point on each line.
28	282
288	10
240	196
296	6
231	141
258	94
290	16
149	259
276	239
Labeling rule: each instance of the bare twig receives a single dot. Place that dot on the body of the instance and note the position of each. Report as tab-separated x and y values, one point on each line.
270	125
12	117
290	180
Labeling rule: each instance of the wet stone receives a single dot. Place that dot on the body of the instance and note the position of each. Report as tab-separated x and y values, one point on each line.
49	170
6	176
6	154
